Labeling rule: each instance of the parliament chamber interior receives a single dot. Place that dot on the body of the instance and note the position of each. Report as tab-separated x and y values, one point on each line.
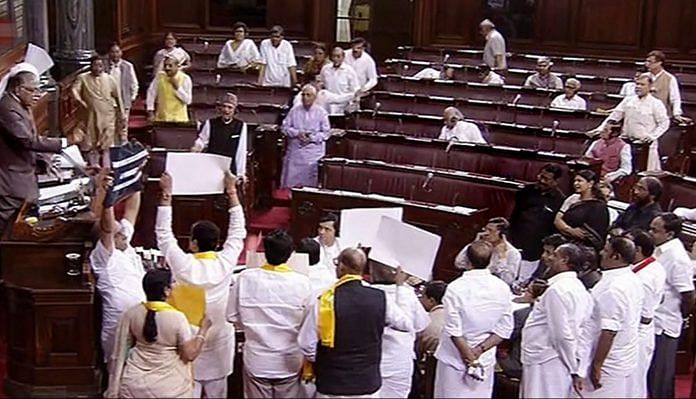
465	125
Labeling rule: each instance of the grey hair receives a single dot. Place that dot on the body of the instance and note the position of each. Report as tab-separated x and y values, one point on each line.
645	76
574	82
453	110
309	87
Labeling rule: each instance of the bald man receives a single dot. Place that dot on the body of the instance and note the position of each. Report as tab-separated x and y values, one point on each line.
457	129
339	79
494	51
342	334
307	129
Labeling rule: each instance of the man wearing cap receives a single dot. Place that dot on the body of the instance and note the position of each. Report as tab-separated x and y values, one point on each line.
169	94
570	99
118	268
225	135
307	130
544	78
494	51
20	143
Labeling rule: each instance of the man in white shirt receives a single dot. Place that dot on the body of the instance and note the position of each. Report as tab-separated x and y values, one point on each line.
551	333
652	276
478	316
327	232
212	270
123	73
494	50
340	79
505	259
609	339
278	64
320	275
629	88
665	85
118	269
457	129
645	120
570	99
488	77
677	304
398	347
363	64
268	303
544	78
615	154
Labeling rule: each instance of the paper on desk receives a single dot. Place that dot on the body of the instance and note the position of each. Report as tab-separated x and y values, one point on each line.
197	173
359	225
401	244
189	300
71	157
297	262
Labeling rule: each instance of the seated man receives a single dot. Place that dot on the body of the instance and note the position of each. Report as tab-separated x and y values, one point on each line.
278	64
643	207
169	94
488	77
457	129
644	120
570	99
444	73
339	79
225	135
307	130
613	151
544	78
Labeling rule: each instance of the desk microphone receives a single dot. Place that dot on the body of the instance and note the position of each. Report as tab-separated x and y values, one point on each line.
426	183
369	186
445	59
218	77
554	126
451	143
378	105
516	99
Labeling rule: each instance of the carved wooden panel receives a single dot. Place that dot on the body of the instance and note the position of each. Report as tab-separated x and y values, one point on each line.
616	22
180	14
455	21
293	15
555	21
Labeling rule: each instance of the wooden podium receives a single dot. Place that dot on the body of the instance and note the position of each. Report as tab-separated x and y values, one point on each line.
51	340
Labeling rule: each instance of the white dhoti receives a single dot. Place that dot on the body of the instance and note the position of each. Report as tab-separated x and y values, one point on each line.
550	379
396	385
453	383
638	380
654	163
612	387
215	362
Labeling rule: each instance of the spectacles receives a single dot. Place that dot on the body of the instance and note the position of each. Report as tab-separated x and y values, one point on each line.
31	89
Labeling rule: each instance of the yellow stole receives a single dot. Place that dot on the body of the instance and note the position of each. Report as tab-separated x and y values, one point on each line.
327	315
210	255
169	108
283	268
159	306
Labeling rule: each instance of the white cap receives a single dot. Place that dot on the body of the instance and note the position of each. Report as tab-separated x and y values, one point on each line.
487	22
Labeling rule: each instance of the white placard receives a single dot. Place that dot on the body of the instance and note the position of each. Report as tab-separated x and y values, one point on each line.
359	225
197	173
297	262
71	157
401	244
38	57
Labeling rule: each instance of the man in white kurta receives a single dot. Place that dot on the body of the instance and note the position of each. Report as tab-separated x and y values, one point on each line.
211	270
457	129
363	64
494	50
268	303
570	99
118	269
398	347
478	316
550	334
652	275
645	120
278	64
340	79
609	338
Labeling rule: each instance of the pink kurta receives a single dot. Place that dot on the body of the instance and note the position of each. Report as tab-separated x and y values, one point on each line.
301	163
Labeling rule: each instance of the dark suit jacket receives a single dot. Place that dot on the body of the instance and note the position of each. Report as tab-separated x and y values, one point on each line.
19	144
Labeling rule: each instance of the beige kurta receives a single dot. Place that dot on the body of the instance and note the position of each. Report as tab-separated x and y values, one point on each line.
102	116
150	370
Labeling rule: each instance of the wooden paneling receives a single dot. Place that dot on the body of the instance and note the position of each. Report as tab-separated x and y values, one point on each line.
455	21
557	21
616	22
292	15
180	14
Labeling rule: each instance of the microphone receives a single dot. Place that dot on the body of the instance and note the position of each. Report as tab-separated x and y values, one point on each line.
400	128
404	69
445	59
218	77
516	99
452	140
426	183
378	105
205	46
554	126
369	186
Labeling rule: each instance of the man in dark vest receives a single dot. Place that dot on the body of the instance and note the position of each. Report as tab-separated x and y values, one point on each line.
225	135
342	332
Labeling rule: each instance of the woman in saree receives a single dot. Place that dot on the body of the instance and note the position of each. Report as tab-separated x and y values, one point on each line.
584	216
154	349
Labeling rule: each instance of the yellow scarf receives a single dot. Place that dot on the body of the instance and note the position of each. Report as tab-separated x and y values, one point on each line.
210	255
283	268
169	108
159	306
327	315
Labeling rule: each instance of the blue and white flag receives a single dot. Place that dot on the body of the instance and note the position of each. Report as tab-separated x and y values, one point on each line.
127	163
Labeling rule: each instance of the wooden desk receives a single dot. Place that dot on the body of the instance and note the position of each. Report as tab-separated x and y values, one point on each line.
457	228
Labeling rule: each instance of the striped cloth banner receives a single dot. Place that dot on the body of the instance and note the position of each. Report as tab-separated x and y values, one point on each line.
127	163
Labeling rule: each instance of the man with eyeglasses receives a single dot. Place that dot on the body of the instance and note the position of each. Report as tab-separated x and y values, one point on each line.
20	144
